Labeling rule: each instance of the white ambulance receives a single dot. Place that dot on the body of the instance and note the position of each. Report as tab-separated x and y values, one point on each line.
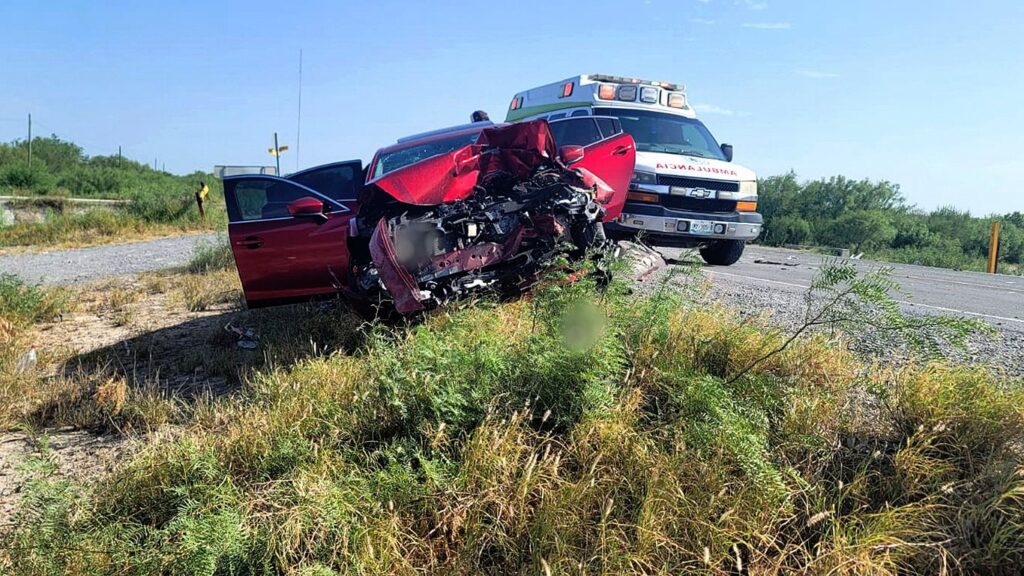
685	190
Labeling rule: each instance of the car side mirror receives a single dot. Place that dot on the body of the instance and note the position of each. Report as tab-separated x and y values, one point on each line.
570	154
727	150
306	206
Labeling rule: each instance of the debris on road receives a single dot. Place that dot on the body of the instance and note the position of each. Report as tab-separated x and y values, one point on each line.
775	263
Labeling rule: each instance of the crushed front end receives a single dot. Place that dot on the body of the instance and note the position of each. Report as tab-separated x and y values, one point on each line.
488	216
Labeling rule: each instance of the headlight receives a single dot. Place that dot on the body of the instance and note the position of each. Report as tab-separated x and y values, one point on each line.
644	178
748	188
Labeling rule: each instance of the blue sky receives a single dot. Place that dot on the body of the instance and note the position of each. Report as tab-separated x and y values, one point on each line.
925	94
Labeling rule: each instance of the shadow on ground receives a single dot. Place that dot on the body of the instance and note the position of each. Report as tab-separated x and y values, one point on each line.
202	357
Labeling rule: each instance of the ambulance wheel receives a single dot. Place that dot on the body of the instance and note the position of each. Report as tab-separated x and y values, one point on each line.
722	252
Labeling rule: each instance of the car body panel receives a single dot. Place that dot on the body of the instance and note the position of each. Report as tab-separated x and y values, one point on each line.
288	257
612	160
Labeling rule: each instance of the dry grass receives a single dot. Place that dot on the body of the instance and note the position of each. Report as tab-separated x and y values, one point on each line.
570	433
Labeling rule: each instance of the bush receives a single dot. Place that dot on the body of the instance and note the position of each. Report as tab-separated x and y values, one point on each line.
20	176
24	304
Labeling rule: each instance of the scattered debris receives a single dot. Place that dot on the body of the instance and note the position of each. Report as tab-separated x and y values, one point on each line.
248	339
27	362
643	260
774	263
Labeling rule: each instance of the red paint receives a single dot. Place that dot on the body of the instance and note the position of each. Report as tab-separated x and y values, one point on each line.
612	161
291	258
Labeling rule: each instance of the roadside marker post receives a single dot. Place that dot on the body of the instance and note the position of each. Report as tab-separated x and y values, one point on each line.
993	249
276	153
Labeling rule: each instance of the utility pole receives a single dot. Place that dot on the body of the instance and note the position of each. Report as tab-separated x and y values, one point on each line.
298	129
30	140
119	156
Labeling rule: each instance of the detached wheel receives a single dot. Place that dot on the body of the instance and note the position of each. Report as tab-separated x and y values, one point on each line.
723	252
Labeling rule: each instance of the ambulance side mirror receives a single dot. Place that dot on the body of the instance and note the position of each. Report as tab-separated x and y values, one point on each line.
570	154
727	150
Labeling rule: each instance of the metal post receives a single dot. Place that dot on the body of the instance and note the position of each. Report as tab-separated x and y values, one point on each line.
119	156
298	128
993	250
29	140
277	154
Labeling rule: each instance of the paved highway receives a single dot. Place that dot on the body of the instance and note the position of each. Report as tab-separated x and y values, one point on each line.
996	298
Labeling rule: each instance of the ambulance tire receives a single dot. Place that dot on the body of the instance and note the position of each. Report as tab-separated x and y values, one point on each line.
723	252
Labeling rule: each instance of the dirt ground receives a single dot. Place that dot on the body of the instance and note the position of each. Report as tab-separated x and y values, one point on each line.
134	326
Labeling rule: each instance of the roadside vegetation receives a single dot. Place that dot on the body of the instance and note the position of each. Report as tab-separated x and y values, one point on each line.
158	203
875	218
582	430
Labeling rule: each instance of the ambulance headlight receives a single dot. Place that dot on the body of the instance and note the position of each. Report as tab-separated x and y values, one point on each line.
649	95
644	178
748	189
627	93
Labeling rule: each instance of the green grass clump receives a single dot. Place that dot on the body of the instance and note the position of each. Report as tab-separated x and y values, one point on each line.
582	430
212	256
23	303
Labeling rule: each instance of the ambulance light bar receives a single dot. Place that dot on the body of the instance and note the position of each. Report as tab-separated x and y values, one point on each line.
624	80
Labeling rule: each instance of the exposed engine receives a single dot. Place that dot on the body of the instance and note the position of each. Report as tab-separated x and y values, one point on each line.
496	238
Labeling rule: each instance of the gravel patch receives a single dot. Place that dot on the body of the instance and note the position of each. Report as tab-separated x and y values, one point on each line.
84	264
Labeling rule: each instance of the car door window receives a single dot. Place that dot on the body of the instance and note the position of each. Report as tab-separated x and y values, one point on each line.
261	198
575	132
339	181
609	126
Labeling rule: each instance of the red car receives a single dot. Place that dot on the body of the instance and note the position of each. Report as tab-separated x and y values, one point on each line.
432	217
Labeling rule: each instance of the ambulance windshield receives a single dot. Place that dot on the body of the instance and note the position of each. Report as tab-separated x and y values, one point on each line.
667	133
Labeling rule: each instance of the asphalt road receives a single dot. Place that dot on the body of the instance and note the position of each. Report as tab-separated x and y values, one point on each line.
996	298
84	264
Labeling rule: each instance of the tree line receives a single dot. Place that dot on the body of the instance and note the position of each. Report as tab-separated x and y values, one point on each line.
876	219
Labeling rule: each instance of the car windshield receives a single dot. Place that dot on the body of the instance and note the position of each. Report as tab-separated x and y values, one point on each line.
669	133
391	161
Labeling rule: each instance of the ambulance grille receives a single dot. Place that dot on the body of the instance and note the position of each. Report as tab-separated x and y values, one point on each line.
682	182
698	204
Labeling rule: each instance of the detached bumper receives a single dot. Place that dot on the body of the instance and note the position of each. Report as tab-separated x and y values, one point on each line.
662	222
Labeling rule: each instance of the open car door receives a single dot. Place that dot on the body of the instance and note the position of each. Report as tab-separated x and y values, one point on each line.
608	153
289	240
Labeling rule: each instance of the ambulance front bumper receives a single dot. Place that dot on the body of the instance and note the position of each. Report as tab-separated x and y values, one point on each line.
659	221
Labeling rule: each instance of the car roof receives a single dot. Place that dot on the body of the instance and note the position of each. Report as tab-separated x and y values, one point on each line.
443	134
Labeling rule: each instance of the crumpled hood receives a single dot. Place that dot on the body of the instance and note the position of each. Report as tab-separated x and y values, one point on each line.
515	148
692	167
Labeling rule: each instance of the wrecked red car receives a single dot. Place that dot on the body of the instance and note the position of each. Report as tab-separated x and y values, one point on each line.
433	217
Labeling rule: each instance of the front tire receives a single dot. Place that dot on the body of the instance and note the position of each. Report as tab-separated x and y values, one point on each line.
723	252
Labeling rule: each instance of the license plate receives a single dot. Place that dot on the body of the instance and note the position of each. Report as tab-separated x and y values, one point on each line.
701	227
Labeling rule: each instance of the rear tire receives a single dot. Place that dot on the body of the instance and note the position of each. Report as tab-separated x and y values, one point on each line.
723	252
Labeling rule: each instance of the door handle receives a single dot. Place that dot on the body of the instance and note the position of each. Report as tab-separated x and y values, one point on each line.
250	242
621	150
